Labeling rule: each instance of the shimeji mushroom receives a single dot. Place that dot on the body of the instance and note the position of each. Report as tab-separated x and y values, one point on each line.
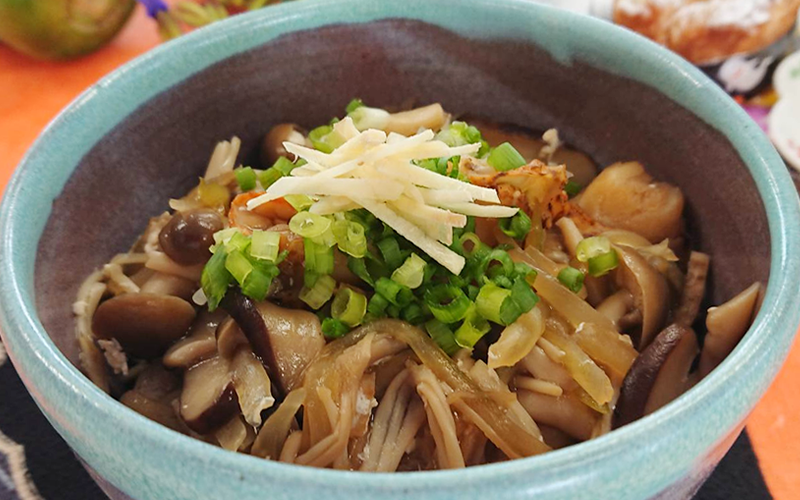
659	374
144	324
625	196
726	325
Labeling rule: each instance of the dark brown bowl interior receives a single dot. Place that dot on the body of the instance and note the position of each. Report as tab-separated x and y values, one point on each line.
159	151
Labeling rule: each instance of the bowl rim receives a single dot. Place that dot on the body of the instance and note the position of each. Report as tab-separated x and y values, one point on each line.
41	363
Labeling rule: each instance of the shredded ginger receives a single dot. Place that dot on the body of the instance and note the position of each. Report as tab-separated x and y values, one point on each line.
376	171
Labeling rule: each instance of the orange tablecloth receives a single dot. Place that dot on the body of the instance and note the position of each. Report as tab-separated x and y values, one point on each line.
32	92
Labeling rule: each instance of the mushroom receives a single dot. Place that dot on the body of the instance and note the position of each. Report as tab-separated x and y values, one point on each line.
168	284
157	383
694	288
208	399
564	412
155	410
624	196
285	340
410	122
659	375
272	146
252	386
200	344
649	289
229	339
144	324
187	236
726	325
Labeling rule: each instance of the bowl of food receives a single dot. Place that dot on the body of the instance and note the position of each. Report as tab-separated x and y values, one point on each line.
534	245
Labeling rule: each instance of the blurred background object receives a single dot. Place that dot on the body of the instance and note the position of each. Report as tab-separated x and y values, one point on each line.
61	29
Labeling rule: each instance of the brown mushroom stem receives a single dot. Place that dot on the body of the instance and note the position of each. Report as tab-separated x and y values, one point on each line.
244	312
658	375
694	288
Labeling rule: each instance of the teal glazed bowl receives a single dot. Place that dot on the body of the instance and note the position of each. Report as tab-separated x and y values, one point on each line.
143	134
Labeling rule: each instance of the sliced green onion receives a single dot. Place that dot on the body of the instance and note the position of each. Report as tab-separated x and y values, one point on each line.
603	263
592	247
501	280
472	329
238	265
390	290
524	271
442	335
393	311
318	261
353	105
504	157
571	278
516	227
412	271
333	328
447	302
309	225
522	293
496	305
350	237
265	245
317	138
390	250
215	278
238	241
257	284
572	188
246	177
413	314
224	236
472	292
320	293
359	268
284	165
349	306
269	176
506	265
377	305
298	201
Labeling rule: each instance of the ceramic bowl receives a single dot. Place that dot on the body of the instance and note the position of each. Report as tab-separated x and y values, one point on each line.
142	135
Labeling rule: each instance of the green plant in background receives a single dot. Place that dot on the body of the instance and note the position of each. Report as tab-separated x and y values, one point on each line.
186	15
61	29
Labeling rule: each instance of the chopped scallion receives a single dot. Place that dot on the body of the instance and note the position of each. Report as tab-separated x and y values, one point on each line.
516	227
298	201
309	225
269	176
472	329
504	157
284	165
412	271
349	306
238	265
447	302
318	261
592	247
246	178
333	328
390	250
496	305
571	278
320	293
442	335
572	188
257	284
359	268
215	278
354	105
601	264
265	245
350	237
377	305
